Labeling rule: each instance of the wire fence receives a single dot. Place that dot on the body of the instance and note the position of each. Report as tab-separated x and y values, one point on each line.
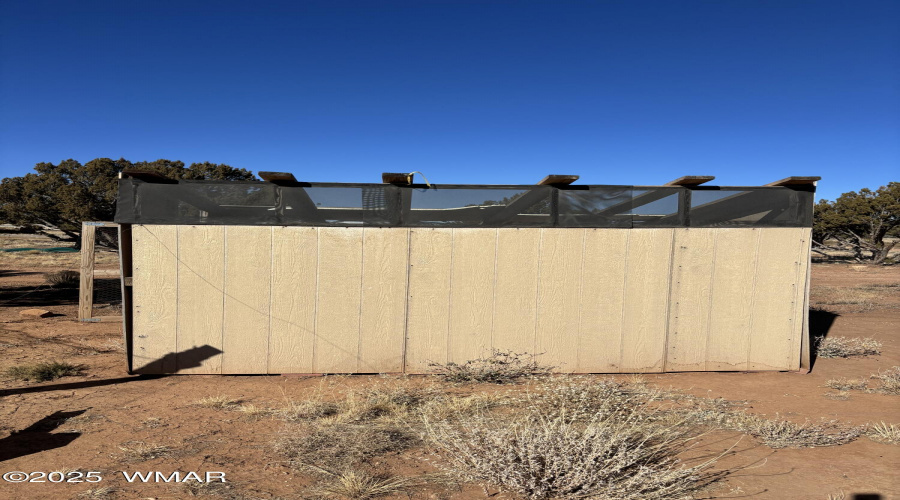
107	285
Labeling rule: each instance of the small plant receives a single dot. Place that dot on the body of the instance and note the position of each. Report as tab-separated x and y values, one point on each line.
140	451
501	367
889	381
220	402
884	433
846	347
845	384
43	372
360	485
63	279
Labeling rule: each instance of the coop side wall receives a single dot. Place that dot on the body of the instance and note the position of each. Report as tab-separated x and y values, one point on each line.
252	299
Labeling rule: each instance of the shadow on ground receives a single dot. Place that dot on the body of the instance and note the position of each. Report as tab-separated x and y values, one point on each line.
38	436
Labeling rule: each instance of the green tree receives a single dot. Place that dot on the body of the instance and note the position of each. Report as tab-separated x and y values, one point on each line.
860	221
59	197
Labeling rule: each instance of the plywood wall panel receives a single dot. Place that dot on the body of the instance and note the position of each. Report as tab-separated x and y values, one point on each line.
338	310
689	304
201	298
383	314
472	293
248	286
602	301
732	299
515	292
775	297
647	273
428	318
559	297
294	266
154	261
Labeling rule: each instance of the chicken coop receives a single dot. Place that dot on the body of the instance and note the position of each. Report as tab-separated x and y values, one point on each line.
282	276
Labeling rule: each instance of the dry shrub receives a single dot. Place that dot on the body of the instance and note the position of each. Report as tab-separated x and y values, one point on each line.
845	384
43	372
889	381
586	399
539	456
339	446
501	367
63	279
846	347
140	451
884	433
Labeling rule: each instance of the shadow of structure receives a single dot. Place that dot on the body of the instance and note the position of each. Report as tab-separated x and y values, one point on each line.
38	437
174	362
866	496
190	358
820	323
38	296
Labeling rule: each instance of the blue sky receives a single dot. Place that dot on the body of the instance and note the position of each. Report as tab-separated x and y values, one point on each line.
619	92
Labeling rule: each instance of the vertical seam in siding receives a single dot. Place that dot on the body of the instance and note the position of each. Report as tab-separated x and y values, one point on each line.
668	308
624	301
793	329
362	273
224	292
450	299
271	287
177	293
578	332
405	342
315	336
709	307
494	287
753	297
537	295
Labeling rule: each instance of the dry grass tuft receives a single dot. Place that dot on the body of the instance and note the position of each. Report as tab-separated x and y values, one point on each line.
339	446
97	493
889	381
884	433
43	372
845	384
152	422
779	433
220	402
846	347
360	485
253	411
850	299
501	367
140	451
63	279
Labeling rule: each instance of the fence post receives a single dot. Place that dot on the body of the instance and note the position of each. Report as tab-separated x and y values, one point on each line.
86	295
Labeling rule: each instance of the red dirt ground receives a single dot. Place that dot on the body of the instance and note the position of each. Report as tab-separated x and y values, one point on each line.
118	408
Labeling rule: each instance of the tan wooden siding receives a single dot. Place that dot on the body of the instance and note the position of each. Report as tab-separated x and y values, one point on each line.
368	300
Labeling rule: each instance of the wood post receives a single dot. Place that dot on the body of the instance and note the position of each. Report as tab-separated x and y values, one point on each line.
86	293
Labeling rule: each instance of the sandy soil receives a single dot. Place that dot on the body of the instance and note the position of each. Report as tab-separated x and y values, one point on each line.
80	422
